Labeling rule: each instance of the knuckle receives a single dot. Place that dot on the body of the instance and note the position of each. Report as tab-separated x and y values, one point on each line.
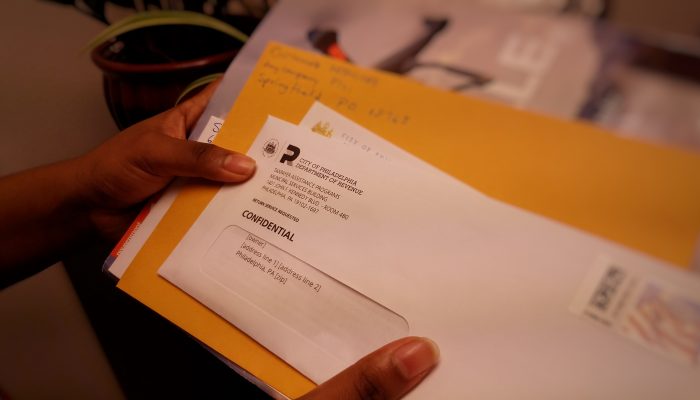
171	122
143	153
202	153
370	385
185	113
182	111
146	164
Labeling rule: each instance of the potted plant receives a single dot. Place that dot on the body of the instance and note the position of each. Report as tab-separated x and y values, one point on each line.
151	57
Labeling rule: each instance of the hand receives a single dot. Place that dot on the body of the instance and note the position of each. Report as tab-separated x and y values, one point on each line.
143	159
47	210
388	373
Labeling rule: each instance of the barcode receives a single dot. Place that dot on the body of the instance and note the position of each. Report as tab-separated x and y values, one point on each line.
607	288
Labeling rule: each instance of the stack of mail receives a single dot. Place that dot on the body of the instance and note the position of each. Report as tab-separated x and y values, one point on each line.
343	241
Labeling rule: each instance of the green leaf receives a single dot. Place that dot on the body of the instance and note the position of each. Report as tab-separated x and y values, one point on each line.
156	18
203	81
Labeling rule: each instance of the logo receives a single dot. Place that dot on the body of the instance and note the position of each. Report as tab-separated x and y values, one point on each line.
270	147
290	155
323	129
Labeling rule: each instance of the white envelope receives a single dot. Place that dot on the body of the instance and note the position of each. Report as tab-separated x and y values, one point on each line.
326	253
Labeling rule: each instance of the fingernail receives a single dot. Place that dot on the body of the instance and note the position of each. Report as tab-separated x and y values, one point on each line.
415	357
239	164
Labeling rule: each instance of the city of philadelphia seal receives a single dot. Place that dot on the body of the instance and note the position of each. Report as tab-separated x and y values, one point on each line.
270	147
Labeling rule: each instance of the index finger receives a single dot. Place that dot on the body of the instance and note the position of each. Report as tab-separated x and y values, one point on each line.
192	108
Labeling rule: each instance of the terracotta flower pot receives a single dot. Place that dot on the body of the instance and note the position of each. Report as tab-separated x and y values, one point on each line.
146	70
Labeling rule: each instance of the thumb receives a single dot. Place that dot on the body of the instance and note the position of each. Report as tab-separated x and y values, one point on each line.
388	373
177	157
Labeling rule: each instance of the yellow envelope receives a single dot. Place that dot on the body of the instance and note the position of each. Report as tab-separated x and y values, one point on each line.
640	195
